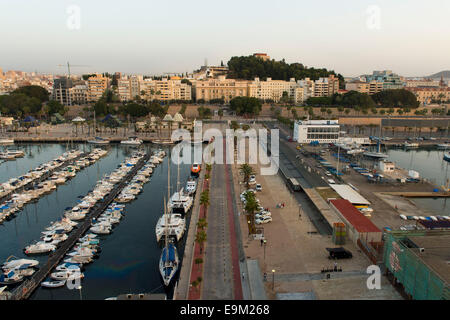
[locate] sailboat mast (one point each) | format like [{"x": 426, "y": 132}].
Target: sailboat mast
[{"x": 178, "y": 178}]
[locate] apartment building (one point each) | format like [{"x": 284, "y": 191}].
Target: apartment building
[
  {"x": 326, "y": 87},
  {"x": 2, "y": 76},
  {"x": 423, "y": 83},
  {"x": 79, "y": 94},
  {"x": 96, "y": 87},
  {"x": 274, "y": 90},
  {"x": 371, "y": 87},
  {"x": 165, "y": 89},
  {"x": 262, "y": 56},
  {"x": 390, "y": 80},
  {"x": 220, "y": 88}
]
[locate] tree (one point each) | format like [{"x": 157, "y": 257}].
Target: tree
[
  {"x": 204, "y": 199},
  {"x": 220, "y": 113},
  {"x": 202, "y": 224},
  {"x": 55, "y": 107},
  {"x": 246, "y": 170},
  {"x": 37, "y": 92},
  {"x": 251, "y": 206},
  {"x": 200, "y": 238},
  {"x": 396, "y": 98},
  {"x": 246, "y": 105}
]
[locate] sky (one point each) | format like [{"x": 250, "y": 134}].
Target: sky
[{"x": 352, "y": 37}]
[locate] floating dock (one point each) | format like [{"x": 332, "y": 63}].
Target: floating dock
[{"x": 28, "y": 286}]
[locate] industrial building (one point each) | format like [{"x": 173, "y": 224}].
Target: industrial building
[
  {"x": 358, "y": 226},
  {"x": 418, "y": 262}
]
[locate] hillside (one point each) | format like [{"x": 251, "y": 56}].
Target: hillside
[{"x": 445, "y": 74}]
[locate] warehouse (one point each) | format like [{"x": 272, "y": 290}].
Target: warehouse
[
  {"x": 347, "y": 193},
  {"x": 358, "y": 226},
  {"x": 418, "y": 262}
]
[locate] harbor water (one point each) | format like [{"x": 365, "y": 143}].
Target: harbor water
[{"x": 130, "y": 255}]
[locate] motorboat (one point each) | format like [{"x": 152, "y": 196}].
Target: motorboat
[
  {"x": 98, "y": 140},
  {"x": 17, "y": 263},
  {"x": 101, "y": 229},
  {"x": 175, "y": 224},
  {"x": 10, "y": 278},
  {"x": 53, "y": 284},
  {"x": 407, "y": 144},
  {"x": 191, "y": 186},
  {"x": 447, "y": 157},
  {"x": 69, "y": 267},
  {"x": 180, "y": 202},
  {"x": 443, "y": 146},
  {"x": 195, "y": 170},
  {"x": 66, "y": 275},
  {"x": 132, "y": 141},
  {"x": 40, "y": 247},
  {"x": 6, "y": 141}
]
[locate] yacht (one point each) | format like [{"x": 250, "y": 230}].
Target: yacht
[
  {"x": 443, "y": 146},
  {"x": 377, "y": 155},
  {"x": 447, "y": 157},
  {"x": 98, "y": 140},
  {"x": 175, "y": 223},
  {"x": 10, "y": 278},
  {"x": 180, "y": 202},
  {"x": 132, "y": 141},
  {"x": 191, "y": 186},
  {"x": 40, "y": 247},
  {"x": 6, "y": 141},
  {"x": 18, "y": 263},
  {"x": 53, "y": 284},
  {"x": 407, "y": 144}
]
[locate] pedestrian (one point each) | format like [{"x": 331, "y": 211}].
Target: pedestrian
[
  {"x": 243, "y": 276},
  {"x": 265, "y": 276},
  {"x": 262, "y": 241}
]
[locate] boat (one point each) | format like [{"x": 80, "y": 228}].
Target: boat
[
  {"x": 168, "y": 262},
  {"x": 443, "y": 146},
  {"x": 407, "y": 144},
  {"x": 53, "y": 284},
  {"x": 66, "y": 275},
  {"x": 355, "y": 151},
  {"x": 13, "y": 264},
  {"x": 40, "y": 247},
  {"x": 10, "y": 278},
  {"x": 180, "y": 202},
  {"x": 98, "y": 140},
  {"x": 175, "y": 223},
  {"x": 6, "y": 141},
  {"x": 378, "y": 154},
  {"x": 191, "y": 186},
  {"x": 447, "y": 157},
  {"x": 132, "y": 141},
  {"x": 195, "y": 169}
]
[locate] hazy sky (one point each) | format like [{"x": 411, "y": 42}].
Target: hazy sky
[{"x": 152, "y": 37}]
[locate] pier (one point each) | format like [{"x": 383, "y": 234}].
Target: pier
[
  {"x": 44, "y": 177},
  {"x": 407, "y": 194},
  {"x": 25, "y": 290}
]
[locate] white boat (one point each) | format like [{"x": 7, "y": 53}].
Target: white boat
[
  {"x": 101, "y": 229},
  {"x": 98, "y": 140},
  {"x": 66, "y": 275},
  {"x": 132, "y": 141},
  {"x": 53, "y": 284},
  {"x": 407, "y": 144},
  {"x": 443, "y": 146},
  {"x": 40, "y": 247},
  {"x": 10, "y": 278},
  {"x": 191, "y": 186},
  {"x": 180, "y": 202},
  {"x": 13, "y": 264},
  {"x": 6, "y": 141},
  {"x": 175, "y": 224}
]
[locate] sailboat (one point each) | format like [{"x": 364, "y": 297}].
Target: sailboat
[
  {"x": 168, "y": 262},
  {"x": 377, "y": 154},
  {"x": 180, "y": 202}
]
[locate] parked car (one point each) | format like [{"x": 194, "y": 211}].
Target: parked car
[
  {"x": 258, "y": 187},
  {"x": 252, "y": 180},
  {"x": 339, "y": 253},
  {"x": 263, "y": 220}
]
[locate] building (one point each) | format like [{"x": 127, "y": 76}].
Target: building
[
  {"x": 321, "y": 131},
  {"x": 165, "y": 90},
  {"x": 326, "y": 87},
  {"x": 79, "y": 94},
  {"x": 62, "y": 91},
  {"x": 358, "y": 226},
  {"x": 390, "y": 80},
  {"x": 2, "y": 76},
  {"x": 97, "y": 85},
  {"x": 123, "y": 89},
  {"x": 262, "y": 56},
  {"x": 274, "y": 90},
  {"x": 386, "y": 166},
  {"x": 428, "y": 95},
  {"x": 371, "y": 87},
  {"x": 347, "y": 193},
  {"x": 220, "y": 88},
  {"x": 423, "y": 83},
  {"x": 419, "y": 261}
]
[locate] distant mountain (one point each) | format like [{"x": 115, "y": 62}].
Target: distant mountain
[{"x": 445, "y": 74}]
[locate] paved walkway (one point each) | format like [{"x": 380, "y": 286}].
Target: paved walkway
[{"x": 218, "y": 274}]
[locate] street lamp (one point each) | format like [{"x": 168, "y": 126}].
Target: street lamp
[
  {"x": 273, "y": 279},
  {"x": 265, "y": 242}
]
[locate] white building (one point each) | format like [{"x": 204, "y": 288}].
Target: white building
[
  {"x": 323, "y": 131},
  {"x": 386, "y": 166}
]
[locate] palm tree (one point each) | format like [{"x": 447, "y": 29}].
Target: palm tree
[
  {"x": 204, "y": 199},
  {"x": 200, "y": 238},
  {"x": 202, "y": 224},
  {"x": 246, "y": 171},
  {"x": 251, "y": 207}
]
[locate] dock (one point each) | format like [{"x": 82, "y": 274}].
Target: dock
[
  {"x": 44, "y": 177},
  {"x": 407, "y": 194},
  {"x": 25, "y": 290}
]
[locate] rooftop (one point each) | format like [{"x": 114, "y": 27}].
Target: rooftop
[
  {"x": 354, "y": 217},
  {"x": 346, "y": 192}
]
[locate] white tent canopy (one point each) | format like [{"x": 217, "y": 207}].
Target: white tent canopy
[{"x": 78, "y": 119}]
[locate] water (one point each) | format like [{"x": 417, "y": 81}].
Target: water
[
  {"x": 130, "y": 255},
  {"x": 431, "y": 165}
]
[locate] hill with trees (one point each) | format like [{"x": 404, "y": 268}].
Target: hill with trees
[{"x": 249, "y": 67}]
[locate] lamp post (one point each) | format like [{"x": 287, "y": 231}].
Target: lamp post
[
  {"x": 273, "y": 279},
  {"x": 265, "y": 242}
]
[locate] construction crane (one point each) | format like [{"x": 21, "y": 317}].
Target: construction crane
[{"x": 73, "y": 66}]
